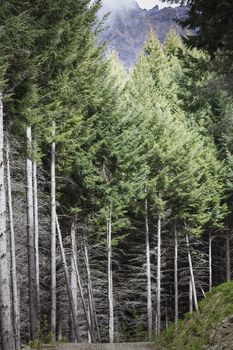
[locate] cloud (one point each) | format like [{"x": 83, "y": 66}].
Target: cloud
[
  {"x": 127, "y": 4},
  {"x": 148, "y": 4},
  {"x": 119, "y": 4}
]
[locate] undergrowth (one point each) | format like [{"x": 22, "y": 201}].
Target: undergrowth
[{"x": 193, "y": 332}]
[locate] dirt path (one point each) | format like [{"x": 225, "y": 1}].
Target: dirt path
[{"x": 119, "y": 346}]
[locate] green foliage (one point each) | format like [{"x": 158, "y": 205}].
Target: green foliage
[
  {"x": 43, "y": 336},
  {"x": 176, "y": 165},
  {"x": 213, "y": 20},
  {"x": 158, "y": 133},
  {"x": 194, "y": 331}
]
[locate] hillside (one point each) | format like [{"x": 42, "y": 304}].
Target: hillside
[
  {"x": 127, "y": 28},
  {"x": 211, "y": 329}
]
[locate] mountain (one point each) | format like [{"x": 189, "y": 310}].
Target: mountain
[{"x": 127, "y": 27}]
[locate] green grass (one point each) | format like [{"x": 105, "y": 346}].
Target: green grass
[{"x": 194, "y": 331}]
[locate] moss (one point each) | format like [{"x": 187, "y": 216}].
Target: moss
[{"x": 193, "y": 333}]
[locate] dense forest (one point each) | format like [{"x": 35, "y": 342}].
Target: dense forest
[{"x": 116, "y": 186}]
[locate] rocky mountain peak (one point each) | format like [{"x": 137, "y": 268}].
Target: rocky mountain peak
[{"x": 127, "y": 27}]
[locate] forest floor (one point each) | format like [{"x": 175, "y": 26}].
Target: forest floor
[
  {"x": 210, "y": 329},
  {"x": 118, "y": 346}
]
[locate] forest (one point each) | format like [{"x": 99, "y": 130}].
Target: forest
[{"x": 116, "y": 184}]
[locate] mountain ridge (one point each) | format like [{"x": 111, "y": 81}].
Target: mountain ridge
[{"x": 127, "y": 27}]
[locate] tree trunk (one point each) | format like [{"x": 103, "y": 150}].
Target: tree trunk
[
  {"x": 90, "y": 303},
  {"x": 89, "y": 321},
  {"x": 53, "y": 240},
  {"x": 202, "y": 290},
  {"x": 167, "y": 319},
  {"x": 92, "y": 310},
  {"x": 15, "y": 297},
  {"x": 148, "y": 273},
  {"x": 36, "y": 231},
  {"x": 159, "y": 276},
  {"x": 228, "y": 257},
  {"x": 73, "y": 279},
  {"x": 110, "y": 281},
  {"x": 210, "y": 263},
  {"x": 69, "y": 291},
  {"x": 176, "y": 279},
  {"x": 190, "y": 297},
  {"x": 192, "y": 274},
  {"x": 59, "y": 328},
  {"x": 31, "y": 242},
  {"x": 7, "y": 334},
  {"x": 86, "y": 311}
]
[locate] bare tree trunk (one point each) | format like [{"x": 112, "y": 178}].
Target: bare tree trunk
[
  {"x": 59, "y": 328},
  {"x": 89, "y": 321},
  {"x": 15, "y": 297},
  {"x": 31, "y": 242},
  {"x": 110, "y": 281},
  {"x": 73, "y": 279},
  {"x": 190, "y": 296},
  {"x": 176, "y": 279},
  {"x": 202, "y": 290},
  {"x": 92, "y": 310},
  {"x": 53, "y": 240},
  {"x": 148, "y": 273},
  {"x": 228, "y": 257},
  {"x": 159, "y": 276},
  {"x": 86, "y": 311},
  {"x": 7, "y": 333},
  {"x": 167, "y": 320},
  {"x": 69, "y": 291},
  {"x": 36, "y": 231},
  {"x": 210, "y": 263},
  {"x": 90, "y": 303},
  {"x": 192, "y": 274}
]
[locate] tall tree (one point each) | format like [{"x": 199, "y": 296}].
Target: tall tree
[
  {"x": 53, "y": 238},
  {"x": 33, "y": 306},
  {"x": 15, "y": 296},
  {"x": 7, "y": 330}
]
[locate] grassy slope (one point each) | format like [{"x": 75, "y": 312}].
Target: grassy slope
[{"x": 194, "y": 331}]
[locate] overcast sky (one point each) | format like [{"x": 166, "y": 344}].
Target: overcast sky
[
  {"x": 145, "y": 4},
  {"x": 148, "y": 4}
]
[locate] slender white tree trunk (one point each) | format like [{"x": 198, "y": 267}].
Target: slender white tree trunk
[
  {"x": 202, "y": 290},
  {"x": 190, "y": 296},
  {"x": 59, "y": 328},
  {"x": 228, "y": 257},
  {"x": 210, "y": 263},
  {"x": 90, "y": 301},
  {"x": 92, "y": 309},
  {"x": 167, "y": 319},
  {"x": 36, "y": 231},
  {"x": 176, "y": 279},
  {"x": 86, "y": 311},
  {"x": 110, "y": 280},
  {"x": 15, "y": 297},
  {"x": 53, "y": 240},
  {"x": 148, "y": 273},
  {"x": 73, "y": 278},
  {"x": 69, "y": 291},
  {"x": 89, "y": 321},
  {"x": 159, "y": 276},
  {"x": 7, "y": 333},
  {"x": 31, "y": 241},
  {"x": 192, "y": 274}
]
